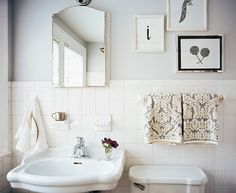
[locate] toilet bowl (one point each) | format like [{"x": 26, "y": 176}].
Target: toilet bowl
[{"x": 167, "y": 179}]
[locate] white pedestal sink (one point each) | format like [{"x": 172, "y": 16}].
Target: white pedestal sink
[{"x": 54, "y": 171}]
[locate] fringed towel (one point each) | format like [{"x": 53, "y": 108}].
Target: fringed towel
[
  {"x": 162, "y": 118},
  {"x": 201, "y": 118},
  {"x": 31, "y": 137}
]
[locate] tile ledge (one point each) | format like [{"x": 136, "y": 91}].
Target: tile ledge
[{"x": 4, "y": 153}]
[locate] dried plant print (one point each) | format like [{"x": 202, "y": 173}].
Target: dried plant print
[{"x": 205, "y": 52}]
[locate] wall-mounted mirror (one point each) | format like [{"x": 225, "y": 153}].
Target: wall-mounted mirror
[{"x": 80, "y": 47}]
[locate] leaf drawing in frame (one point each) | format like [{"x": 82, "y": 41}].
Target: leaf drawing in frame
[{"x": 184, "y": 9}]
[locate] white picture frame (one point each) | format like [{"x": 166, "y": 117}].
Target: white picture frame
[
  {"x": 200, "y": 53},
  {"x": 186, "y": 15},
  {"x": 149, "y": 33}
]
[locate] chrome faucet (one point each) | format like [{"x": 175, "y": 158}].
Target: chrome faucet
[{"x": 79, "y": 148}]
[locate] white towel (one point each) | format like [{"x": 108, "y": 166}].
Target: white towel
[
  {"x": 31, "y": 133},
  {"x": 201, "y": 118},
  {"x": 162, "y": 118}
]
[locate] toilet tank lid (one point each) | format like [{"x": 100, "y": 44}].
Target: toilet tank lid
[{"x": 167, "y": 175}]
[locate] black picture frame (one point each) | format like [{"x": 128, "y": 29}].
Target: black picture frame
[{"x": 190, "y": 66}]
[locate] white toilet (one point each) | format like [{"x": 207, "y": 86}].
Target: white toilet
[{"x": 167, "y": 179}]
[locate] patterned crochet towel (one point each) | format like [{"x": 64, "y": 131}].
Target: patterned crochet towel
[
  {"x": 162, "y": 118},
  {"x": 201, "y": 118}
]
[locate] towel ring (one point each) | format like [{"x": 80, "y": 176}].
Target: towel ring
[{"x": 37, "y": 136}]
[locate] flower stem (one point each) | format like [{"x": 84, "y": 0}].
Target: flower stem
[{"x": 200, "y": 61}]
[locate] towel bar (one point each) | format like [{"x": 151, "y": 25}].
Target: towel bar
[{"x": 221, "y": 98}]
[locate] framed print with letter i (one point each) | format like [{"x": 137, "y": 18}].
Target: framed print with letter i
[{"x": 149, "y": 33}]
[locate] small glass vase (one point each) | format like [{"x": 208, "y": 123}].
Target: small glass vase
[{"x": 108, "y": 153}]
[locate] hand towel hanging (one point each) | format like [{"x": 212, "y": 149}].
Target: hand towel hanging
[
  {"x": 163, "y": 118},
  {"x": 201, "y": 118},
  {"x": 31, "y": 137}
]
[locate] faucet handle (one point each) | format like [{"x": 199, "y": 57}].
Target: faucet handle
[{"x": 80, "y": 140}]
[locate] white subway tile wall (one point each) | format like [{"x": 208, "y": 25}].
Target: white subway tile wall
[
  {"x": 5, "y": 166},
  {"x": 120, "y": 100},
  {"x": 6, "y": 157}
]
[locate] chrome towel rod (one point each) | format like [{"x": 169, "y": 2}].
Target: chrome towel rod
[{"x": 221, "y": 98}]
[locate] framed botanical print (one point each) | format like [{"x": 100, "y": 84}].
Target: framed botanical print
[
  {"x": 149, "y": 33},
  {"x": 200, "y": 53},
  {"x": 186, "y": 15}
]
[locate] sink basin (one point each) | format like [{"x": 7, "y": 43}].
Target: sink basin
[
  {"x": 54, "y": 171},
  {"x": 56, "y": 167}
]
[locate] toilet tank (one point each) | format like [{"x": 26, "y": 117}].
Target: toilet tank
[{"x": 167, "y": 179}]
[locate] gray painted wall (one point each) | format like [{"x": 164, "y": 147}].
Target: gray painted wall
[
  {"x": 4, "y": 62},
  {"x": 32, "y": 39}
]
